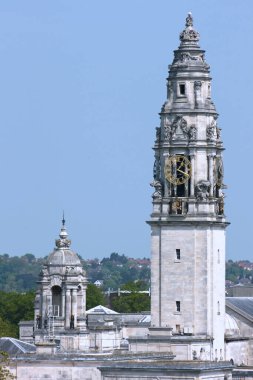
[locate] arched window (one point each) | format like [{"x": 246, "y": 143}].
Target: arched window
[{"x": 57, "y": 300}]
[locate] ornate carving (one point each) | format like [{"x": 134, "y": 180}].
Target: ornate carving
[
  {"x": 177, "y": 206},
  {"x": 56, "y": 281},
  {"x": 62, "y": 243},
  {"x": 184, "y": 59},
  {"x": 202, "y": 189},
  {"x": 179, "y": 128},
  {"x": 192, "y": 132},
  {"x": 189, "y": 34},
  {"x": 158, "y": 189},
  {"x": 157, "y": 169},
  {"x": 167, "y": 131},
  {"x": 158, "y": 135},
  {"x": 44, "y": 271},
  {"x": 211, "y": 130}
]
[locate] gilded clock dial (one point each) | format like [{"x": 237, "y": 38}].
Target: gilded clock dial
[{"x": 177, "y": 169}]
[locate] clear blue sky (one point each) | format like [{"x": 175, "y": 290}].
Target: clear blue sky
[{"x": 81, "y": 85}]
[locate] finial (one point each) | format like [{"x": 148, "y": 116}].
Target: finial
[
  {"x": 189, "y": 35},
  {"x": 189, "y": 20},
  {"x": 63, "y": 242}
]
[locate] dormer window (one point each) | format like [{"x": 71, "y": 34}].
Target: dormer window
[{"x": 182, "y": 89}]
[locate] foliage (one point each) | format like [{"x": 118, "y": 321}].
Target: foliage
[
  {"x": 5, "y": 374},
  {"x": 15, "y": 307},
  {"x": 19, "y": 273},
  {"x": 94, "y": 296},
  {"x": 134, "y": 301},
  {"x": 7, "y": 329},
  {"x": 238, "y": 271},
  {"x": 117, "y": 270}
]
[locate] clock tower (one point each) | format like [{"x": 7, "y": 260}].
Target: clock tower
[{"x": 188, "y": 222}]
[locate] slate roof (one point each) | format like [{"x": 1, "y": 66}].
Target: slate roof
[
  {"x": 241, "y": 305},
  {"x": 14, "y": 346}
]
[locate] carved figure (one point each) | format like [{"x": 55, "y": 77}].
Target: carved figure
[
  {"x": 167, "y": 131},
  {"x": 192, "y": 132},
  {"x": 44, "y": 271},
  {"x": 202, "y": 189},
  {"x": 210, "y": 132},
  {"x": 197, "y": 92},
  {"x": 158, "y": 189}
]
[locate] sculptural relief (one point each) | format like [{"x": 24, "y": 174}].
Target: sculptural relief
[
  {"x": 202, "y": 189},
  {"x": 158, "y": 189},
  {"x": 179, "y": 128},
  {"x": 192, "y": 132},
  {"x": 167, "y": 131}
]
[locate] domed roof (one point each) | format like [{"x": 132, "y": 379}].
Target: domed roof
[
  {"x": 63, "y": 257},
  {"x": 62, "y": 254},
  {"x": 231, "y": 326}
]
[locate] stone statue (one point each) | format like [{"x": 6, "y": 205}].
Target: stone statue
[
  {"x": 192, "y": 132},
  {"x": 167, "y": 131},
  {"x": 197, "y": 92},
  {"x": 210, "y": 132},
  {"x": 202, "y": 189},
  {"x": 158, "y": 189}
]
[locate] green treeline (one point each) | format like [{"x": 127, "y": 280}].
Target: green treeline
[{"x": 18, "y": 277}]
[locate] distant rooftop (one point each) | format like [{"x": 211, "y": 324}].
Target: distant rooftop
[{"x": 14, "y": 346}]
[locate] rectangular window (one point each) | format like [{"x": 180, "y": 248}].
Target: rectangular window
[
  {"x": 178, "y": 255},
  {"x": 182, "y": 89},
  {"x": 178, "y": 306},
  {"x": 178, "y": 329}
]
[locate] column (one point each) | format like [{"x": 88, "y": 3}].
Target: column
[
  {"x": 192, "y": 174},
  {"x": 210, "y": 174},
  {"x": 44, "y": 302},
  {"x": 63, "y": 303},
  {"x": 67, "y": 308},
  {"x": 74, "y": 305}
]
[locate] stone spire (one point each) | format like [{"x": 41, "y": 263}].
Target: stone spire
[{"x": 63, "y": 242}]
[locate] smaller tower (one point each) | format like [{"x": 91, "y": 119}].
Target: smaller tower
[{"x": 60, "y": 303}]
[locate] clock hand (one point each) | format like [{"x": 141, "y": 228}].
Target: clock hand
[{"x": 183, "y": 172}]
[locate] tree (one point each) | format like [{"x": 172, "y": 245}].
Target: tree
[
  {"x": 7, "y": 329},
  {"x": 15, "y": 307},
  {"x": 133, "y": 302},
  {"x": 94, "y": 296},
  {"x": 5, "y": 373}
]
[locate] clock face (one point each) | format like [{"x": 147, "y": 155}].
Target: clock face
[{"x": 177, "y": 169}]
